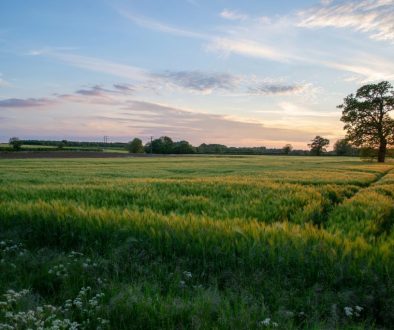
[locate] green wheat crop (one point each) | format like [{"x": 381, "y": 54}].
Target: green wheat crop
[{"x": 244, "y": 242}]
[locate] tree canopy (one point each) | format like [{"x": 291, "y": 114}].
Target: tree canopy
[
  {"x": 287, "y": 149},
  {"x": 366, "y": 117},
  {"x": 343, "y": 148},
  {"x": 16, "y": 143},
  {"x": 318, "y": 145},
  {"x": 135, "y": 146}
]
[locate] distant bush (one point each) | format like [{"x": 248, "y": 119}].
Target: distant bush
[{"x": 16, "y": 143}]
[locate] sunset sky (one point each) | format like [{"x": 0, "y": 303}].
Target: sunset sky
[{"x": 240, "y": 73}]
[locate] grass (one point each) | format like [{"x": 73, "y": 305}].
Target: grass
[{"x": 197, "y": 243}]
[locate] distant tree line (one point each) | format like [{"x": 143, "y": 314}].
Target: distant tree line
[
  {"x": 66, "y": 143},
  {"x": 165, "y": 145}
]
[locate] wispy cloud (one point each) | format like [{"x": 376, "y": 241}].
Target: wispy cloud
[
  {"x": 203, "y": 82},
  {"x": 201, "y": 127},
  {"x": 124, "y": 88},
  {"x": 93, "y": 91},
  {"x": 250, "y": 48},
  {"x": 144, "y": 119},
  {"x": 375, "y": 17},
  {"x": 184, "y": 80},
  {"x": 94, "y": 64},
  {"x": 155, "y": 25},
  {"x": 94, "y": 95},
  {"x": 233, "y": 15},
  {"x": 278, "y": 89},
  {"x": 97, "y": 90},
  {"x": 280, "y": 39},
  {"x": 25, "y": 103},
  {"x": 364, "y": 68}
]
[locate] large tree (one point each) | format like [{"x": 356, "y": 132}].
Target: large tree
[
  {"x": 366, "y": 117},
  {"x": 318, "y": 145}
]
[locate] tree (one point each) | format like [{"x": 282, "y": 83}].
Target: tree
[
  {"x": 62, "y": 144},
  {"x": 318, "y": 145},
  {"x": 343, "y": 148},
  {"x": 212, "y": 149},
  {"x": 163, "y": 145},
  {"x": 366, "y": 117},
  {"x": 16, "y": 143},
  {"x": 135, "y": 146},
  {"x": 183, "y": 147},
  {"x": 287, "y": 149}
]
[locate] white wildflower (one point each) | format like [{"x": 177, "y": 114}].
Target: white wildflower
[
  {"x": 187, "y": 274},
  {"x": 348, "y": 311}
]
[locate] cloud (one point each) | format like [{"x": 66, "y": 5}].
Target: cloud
[
  {"x": 233, "y": 15},
  {"x": 278, "y": 89},
  {"x": 156, "y": 119},
  {"x": 190, "y": 80},
  {"x": 194, "y": 81},
  {"x": 374, "y": 17},
  {"x": 155, "y": 25},
  {"x": 278, "y": 39},
  {"x": 25, "y": 103},
  {"x": 124, "y": 88},
  {"x": 99, "y": 91},
  {"x": 365, "y": 68},
  {"x": 200, "y": 81},
  {"x": 281, "y": 41},
  {"x": 94, "y": 64},
  {"x": 93, "y": 91},
  {"x": 250, "y": 48},
  {"x": 99, "y": 95}
]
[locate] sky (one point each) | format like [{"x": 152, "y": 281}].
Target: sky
[{"x": 240, "y": 73}]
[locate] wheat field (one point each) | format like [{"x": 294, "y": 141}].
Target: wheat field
[{"x": 242, "y": 242}]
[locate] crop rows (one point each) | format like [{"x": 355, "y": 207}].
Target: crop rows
[{"x": 201, "y": 242}]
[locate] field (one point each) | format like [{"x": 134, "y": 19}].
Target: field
[
  {"x": 196, "y": 243},
  {"x": 46, "y": 148}
]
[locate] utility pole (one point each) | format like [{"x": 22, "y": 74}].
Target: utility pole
[
  {"x": 151, "y": 145},
  {"x": 106, "y": 139}
]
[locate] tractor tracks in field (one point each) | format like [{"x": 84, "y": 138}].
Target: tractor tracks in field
[{"x": 329, "y": 209}]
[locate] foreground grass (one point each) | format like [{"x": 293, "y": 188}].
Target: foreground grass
[{"x": 197, "y": 243}]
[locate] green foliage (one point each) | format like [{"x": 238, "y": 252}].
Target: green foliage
[
  {"x": 366, "y": 117},
  {"x": 368, "y": 154},
  {"x": 198, "y": 243},
  {"x": 135, "y": 146},
  {"x": 287, "y": 149},
  {"x": 183, "y": 147},
  {"x": 318, "y": 145},
  {"x": 16, "y": 143},
  {"x": 343, "y": 148}
]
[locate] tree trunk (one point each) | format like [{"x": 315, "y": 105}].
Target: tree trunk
[{"x": 382, "y": 151}]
